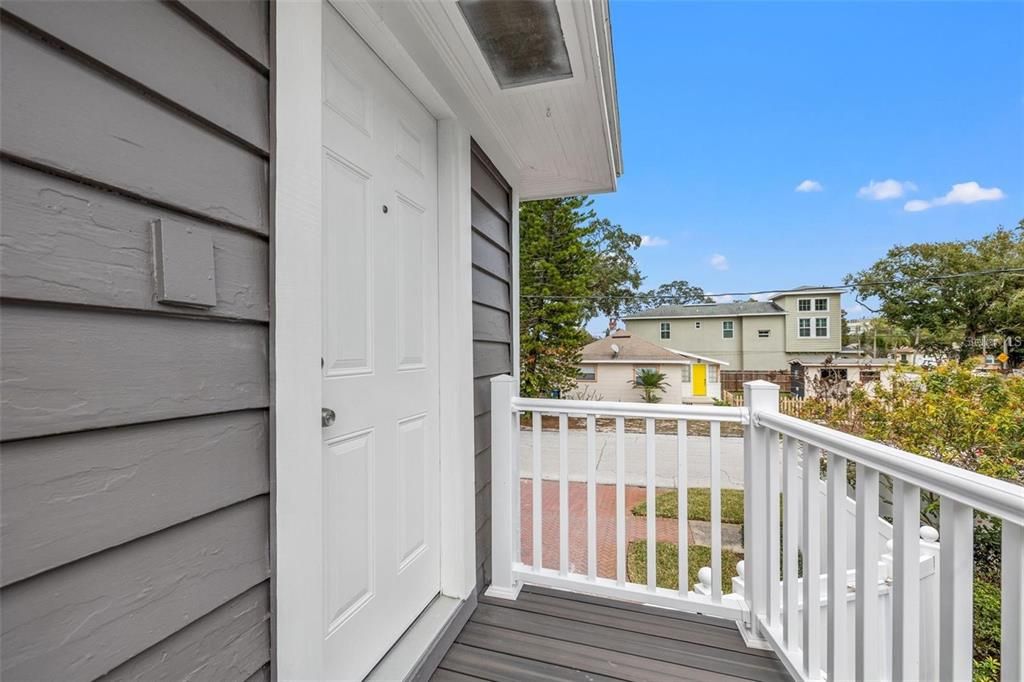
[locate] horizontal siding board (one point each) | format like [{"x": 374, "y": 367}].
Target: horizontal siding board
[
  {"x": 481, "y": 395},
  {"x": 490, "y": 290},
  {"x": 491, "y": 325},
  {"x": 159, "y": 48},
  {"x": 230, "y": 643},
  {"x": 489, "y": 189},
  {"x": 490, "y": 358},
  {"x": 490, "y": 224},
  {"x": 261, "y": 675},
  {"x": 243, "y": 22},
  {"x": 66, "y": 242},
  {"x": 482, "y": 468},
  {"x": 84, "y": 619},
  {"x": 482, "y": 432},
  {"x": 85, "y": 124},
  {"x": 65, "y": 497},
  {"x": 483, "y": 505},
  {"x": 69, "y": 370},
  {"x": 489, "y": 257}
]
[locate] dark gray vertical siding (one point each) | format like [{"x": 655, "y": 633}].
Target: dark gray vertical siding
[
  {"x": 134, "y": 470},
  {"x": 492, "y": 329}
]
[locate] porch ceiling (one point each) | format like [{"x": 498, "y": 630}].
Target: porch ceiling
[{"x": 551, "y": 139}]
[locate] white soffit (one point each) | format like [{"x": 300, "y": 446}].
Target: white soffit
[{"x": 561, "y": 137}]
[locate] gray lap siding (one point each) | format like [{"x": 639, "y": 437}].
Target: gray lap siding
[
  {"x": 492, "y": 329},
  {"x": 135, "y": 465}
]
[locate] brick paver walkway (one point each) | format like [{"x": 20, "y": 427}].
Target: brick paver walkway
[{"x": 636, "y": 526}]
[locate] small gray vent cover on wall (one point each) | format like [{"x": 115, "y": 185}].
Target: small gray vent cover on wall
[{"x": 521, "y": 40}]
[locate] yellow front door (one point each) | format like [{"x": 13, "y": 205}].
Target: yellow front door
[{"x": 700, "y": 380}]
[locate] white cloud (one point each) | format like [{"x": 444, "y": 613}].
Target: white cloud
[
  {"x": 763, "y": 297},
  {"x": 650, "y": 240},
  {"x": 719, "y": 262},
  {"x": 961, "y": 193},
  {"x": 724, "y": 298},
  {"x": 885, "y": 189},
  {"x": 809, "y": 186}
]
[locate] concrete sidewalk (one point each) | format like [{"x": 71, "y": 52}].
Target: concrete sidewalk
[{"x": 698, "y": 458}]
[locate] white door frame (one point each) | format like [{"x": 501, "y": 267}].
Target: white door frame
[{"x": 295, "y": 262}]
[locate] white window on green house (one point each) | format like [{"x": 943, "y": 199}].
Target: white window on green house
[
  {"x": 684, "y": 374},
  {"x": 804, "y": 326},
  {"x": 588, "y": 373},
  {"x": 764, "y": 333},
  {"x": 727, "y": 328},
  {"x": 821, "y": 304},
  {"x": 821, "y": 326},
  {"x": 666, "y": 330},
  {"x": 637, "y": 371},
  {"x": 803, "y": 305},
  {"x": 712, "y": 374}
]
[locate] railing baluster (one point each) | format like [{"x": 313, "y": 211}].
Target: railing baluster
[
  {"x": 1012, "y": 653},
  {"x": 620, "y": 501},
  {"x": 563, "y": 494},
  {"x": 867, "y": 621},
  {"x": 836, "y": 568},
  {"x": 538, "y": 500},
  {"x": 906, "y": 588},
  {"x": 651, "y": 516},
  {"x": 591, "y": 499},
  {"x": 771, "y": 454},
  {"x": 812, "y": 572},
  {"x": 956, "y": 587},
  {"x": 790, "y": 541},
  {"x": 716, "y": 511},
  {"x": 682, "y": 506}
]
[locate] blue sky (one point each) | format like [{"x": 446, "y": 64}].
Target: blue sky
[{"x": 727, "y": 107}]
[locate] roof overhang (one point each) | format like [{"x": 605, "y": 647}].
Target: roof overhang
[
  {"x": 807, "y": 292},
  {"x": 702, "y": 358},
  {"x": 634, "y": 361},
  {"x": 549, "y": 139},
  {"x": 698, "y": 317}
]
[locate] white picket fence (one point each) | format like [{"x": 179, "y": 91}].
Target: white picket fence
[{"x": 910, "y": 619}]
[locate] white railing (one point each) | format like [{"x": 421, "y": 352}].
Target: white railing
[
  {"x": 873, "y": 644},
  {"x": 802, "y": 557},
  {"x": 509, "y": 572}
]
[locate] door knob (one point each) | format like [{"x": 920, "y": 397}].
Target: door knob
[{"x": 327, "y": 417}]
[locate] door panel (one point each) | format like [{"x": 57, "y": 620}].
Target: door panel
[
  {"x": 700, "y": 380},
  {"x": 380, "y": 365}
]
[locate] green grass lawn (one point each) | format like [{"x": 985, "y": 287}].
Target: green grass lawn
[
  {"x": 667, "y": 566},
  {"x": 698, "y": 501}
]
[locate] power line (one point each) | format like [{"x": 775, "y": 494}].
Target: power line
[{"x": 665, "y": 298}]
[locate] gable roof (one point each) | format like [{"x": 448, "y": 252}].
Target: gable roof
[
  {"x": 631, "y": 349},
  {"x": 736, "y": 309},
  {"x": 807, "y": 289}
]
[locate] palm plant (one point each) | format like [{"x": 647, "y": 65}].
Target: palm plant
[{"x": 650, "y": 382}]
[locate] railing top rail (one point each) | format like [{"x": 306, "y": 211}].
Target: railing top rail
[
  {"x": 992, "y": 496},
  {"x": 633, "y": 410}
]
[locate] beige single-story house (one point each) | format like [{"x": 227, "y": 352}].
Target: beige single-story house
[{"x": 609, "y": 366}]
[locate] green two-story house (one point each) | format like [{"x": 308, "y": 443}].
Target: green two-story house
[{"x": 749, "y": 335}]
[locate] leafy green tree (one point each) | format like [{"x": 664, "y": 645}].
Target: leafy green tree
[
  {"x": 946, "y": 312},
  {"x": 650, "y": 383},
  {"x": 678, "y": 292},
  {"x": 573, "y": 266}
]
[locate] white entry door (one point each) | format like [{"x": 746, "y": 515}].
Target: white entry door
[{"x": 381, "y": 511}]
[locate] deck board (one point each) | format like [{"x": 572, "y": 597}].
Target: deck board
[{"x": 552, "y": 635}]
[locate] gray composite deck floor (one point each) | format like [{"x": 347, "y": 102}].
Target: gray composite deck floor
[{"x": 554, "y": 635}]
